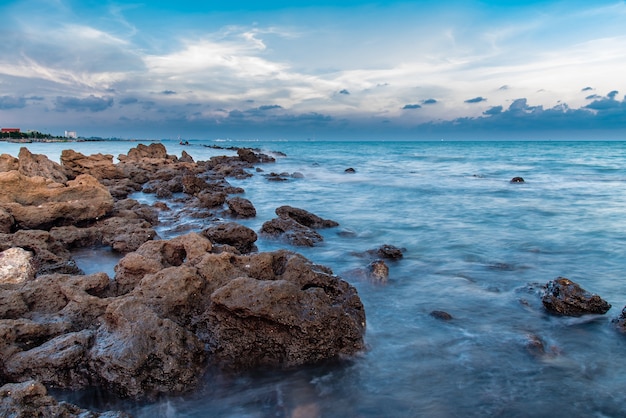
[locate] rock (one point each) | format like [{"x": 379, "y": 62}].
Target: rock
[
  {"x": 304, "y": 217},
  {"x": 6, "y": 221},
  {"x": 442, "y": 315},
  {"x": 378, "y": 271},
  {"x": 286, "y": 319},
  {"x": 16, "y": 266},
  {"x": 350, "y": 170},
  {"x": 155, "y": 150},
  {"x": 30, "y": 399},
  {"x": 291, "y": 231},
  {"x": 247, "y": 155},
  {"x": 185, "y": 158},
  {"x": 386, "y": 251},
  {"x": 620, "y": 321},
  {"x": 125, "y": 235},
  {"x": 517, "y": 180},
  {"x": 210, "y": 199},
  {"x": 8, "y": 163},
  {"x": 32, "y": 165},
  {"x": 193, "y": 185},
  {"x": 241, "y": 208},
  {"x": 147, "y": 357},
  {"x": 36, "y": 203},
  {"x": 564, "y": 297},
  {"x": 233, "y": 234},
  {"x": 98, "y": 165}
]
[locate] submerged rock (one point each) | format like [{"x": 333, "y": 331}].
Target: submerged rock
[
  {"x": 564, "y": 297},
  {"x": 304, "y": 217}
]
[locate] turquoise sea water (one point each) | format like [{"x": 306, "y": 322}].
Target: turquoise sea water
[{"x": 477, "y": 247}]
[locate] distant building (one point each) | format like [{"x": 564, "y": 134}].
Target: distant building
[
  {"x": 70, "y": 134},
  {"x": 10, "y": 130}
]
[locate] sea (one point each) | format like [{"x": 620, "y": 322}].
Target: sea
[{"x": 475, "y": 246}]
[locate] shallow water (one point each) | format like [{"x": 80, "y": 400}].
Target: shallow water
[{"x": 476, "y": 246}]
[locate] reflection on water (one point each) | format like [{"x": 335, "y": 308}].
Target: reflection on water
[{"x": 96, "y": 259}]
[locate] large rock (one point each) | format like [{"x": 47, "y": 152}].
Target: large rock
[
  {"x": 98, "y": 165},
  {"x": 620, "y": 321},
  {"x": 37, "y": 203},
  {"x": 8, "y": 163},
  {"x": 240, "y": 207},
  {"x": 304, "y": 217},
  {"x": 30, "y": 399},
  {"x": 291, "y": 231},
  {"x": 33, "y": 165},
  {"x": 16, "y": 266},
  {"x": 564, "y": 297},
  {"x": 233, "y": 234},
  {"x": 6, "y": 221}
]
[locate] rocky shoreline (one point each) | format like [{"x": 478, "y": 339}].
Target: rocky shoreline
[{"x": 174, "y": 308}]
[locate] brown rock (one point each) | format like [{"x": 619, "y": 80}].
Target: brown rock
[
  {"x": 6, "y": 221},
  {"x": 291, "y": 231},
  {"x": 32, "y": 165},
  {"x": 8, "y": 163},
  {"x": 304, "y": 217},
  {"x": 98, "y": 165},
  {"x": 241, "y": 208},
  {"x": 378, "y": 271},
  {"x": 16, "y": 266},
  {"x": 37, "y": 203},
  {"x": 233, "y": 234},
  {"x": 564, "y": 297}
]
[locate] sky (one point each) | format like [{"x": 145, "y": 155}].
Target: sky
[{"x": 383, "y": 70}]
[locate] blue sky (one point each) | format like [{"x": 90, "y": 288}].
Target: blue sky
[{"x": 311, "y": 69}]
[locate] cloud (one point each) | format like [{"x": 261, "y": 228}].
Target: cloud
[
  {"x": 593, "y": 96},
  {"x": 91, "y": 104},
  {"x": 269, "y": 107},
  {"x": 476, "y": 100},
  {"x": 168, "y": 92},
  {"x": 128, "y": 101},
  {"x": 412, "y": 106},
  {"x": 429, "y": 101},
  {"x": 494, "y": 110},
  {"x": 10, "y": 102},
  {"x": 587, "y": 89},
  {"x": 612, "y": 94},
  {"x": 344, "y": 91},
  {"x": 503, "y": 88}
]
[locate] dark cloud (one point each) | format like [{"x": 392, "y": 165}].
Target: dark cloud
[
  {"x": 344, "y": 91},
  {"x": 10, "y": 102},
  {"x": 429, "y": 101},
  {"x": 587, "y": 89},
  {"x": 494, "y": 110},
  {"x": 129, "y": 101},
  {"x": 168, "y": 92},
  {"x": 412, "y": 106},
  {"x": 476, "y": 100},
  {"x": 593, "y": 96},
  {"x": 603, "y": 104},
  {"x": 505, "y": 87},
  {"x": 612, "y": 94},
  {"x": 269, "y": 107},
  {"x": 91, "y": 104}
]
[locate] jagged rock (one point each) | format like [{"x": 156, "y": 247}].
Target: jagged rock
[
  {"x": 6, "y": 221},
  {"x": 620, "y": 321},
  {"x": 210, "y": 199},
  {"x": 238, "y": 236},
  {"x": 443, "y": 315},
  {"x": 16, "y": 266},
  {"x": 185, "y": 158},
  {"x": 30, "y": 399},
  {"x": 193, "y": 185},
  {"x": 98, "y": 165},
  {"x": 147, "y": 357},
  {"x": 304, "y": 217},
  {"x": 37, "y": 203},
  {"x": 564, "y": 297},
  {"x": 378, "y": 271},
  {"x": 155, "y": 150},
  {"x": 8, "y": 163},
  {"x": 32, "y": 165},
  {"x": 241, "y": 208},
  {"x": 125, "y": 235},
  {"x": 385, "y": 251},
  {"x": 291, "y": 231},
  {"x": 349, "y": 170}
]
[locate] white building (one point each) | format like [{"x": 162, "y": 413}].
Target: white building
[{"x": 70, "y": 134}]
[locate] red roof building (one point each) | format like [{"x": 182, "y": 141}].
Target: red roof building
[{"x": 9, "y": 130}]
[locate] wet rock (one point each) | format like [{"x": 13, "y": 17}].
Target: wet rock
[
  {"x": 350, "y": 170},
  {"x": 620, "y": 321},
  {"x": 6, "y": 221},
  {"x": 30, "y": 399},
  {"x": 564, "y": 297},
  {"x": 241, "y": 208},
  {"x": 36, "y": 203},
  {"x": 210, "y": 199},
  {"x": 32, "y": 165},
  {"x": 147, "y": 357},
  {"x": 98, "y": 165},
  {"x": 517, "y": 180},
  {"x": 16, "y": 266},
  {"x": 284, "y": 321},
  {"x": 185, "y": 157},
  {"x": 193, "y": 185},
  {"x": 291, "y": 231},
  {"x": 442, "y": 315},
  {"x": 247, "y": 155},
  {"x": 535, "y": 346},
  {"x": 378, "y": 271},
  {"x": 304, "y": 217},
  {"x": 385, "y": 251},
  {"x": 236, "y": 235}
]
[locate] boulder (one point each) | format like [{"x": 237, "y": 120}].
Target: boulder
[
  {"x": 38, "y": 165},
  {"x": 16, "y": 266},
  {"x": 185, "y": 158},
  {"x": 37, "y": 203},
  {"x": 291, "y": 231},
  {"x": 241, "y": 208},
  {"x": 564, "y": 297},
  {"x": 238, "y": 236},
  {"x": 98, "y": 165},
  {"x": 442, "y": 315},
  {"x": 517, "y": 180},
  {"x": 378, "y": 271},
  {"x": 304, "y": 217},
  {"x": 6, "y": 221},
  {"x": 8, "y": 163},
  {"x": 31, "y": 399},
  {"x": 193, "y": 185},
  {"x": 211, "y": 199},
  {"x": 620, "y": 321},
  {"x": 153, "y": 151}
]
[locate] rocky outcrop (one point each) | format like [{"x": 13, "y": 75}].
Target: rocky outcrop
[
  {"x": 30, "y": 399},
  {"x": 304, "y": 217},
  {"x": 16, "y": 266},
  {"x": 98, "y": 165},
  {"x": 241, "y": 208},
  {"x": 564, "y": 297},
  {"x": 8, "y": 163},
  {"x": 38, "y": 165},
  {"x": 37, "y": 203},
  {"x": 620, "y": 321},
  {"x": 7, "y": 221},
  {"x": 232, "y": 234},
  {"x": 296, "y": 226}
]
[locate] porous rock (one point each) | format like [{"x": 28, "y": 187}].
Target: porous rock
[
  {"x": 240, "y": 207},
  {"x": 304, "y": 217},
  {"x": 98, "y": 165},
  {"x": 564, "y": 297},
  {"x": 16, "y": 266},
  {"x": 231, "y": 233},
  {"x": 33, "y": 165},
  {"x": 291, "y": 231}
]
